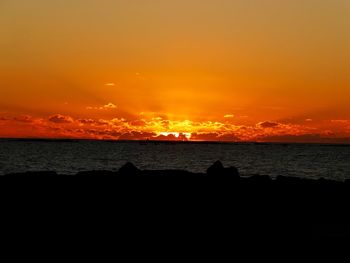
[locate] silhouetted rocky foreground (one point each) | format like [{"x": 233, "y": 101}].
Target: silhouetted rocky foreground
[
  {"x": 217, "y": 174},
  {"x": 216, "y": 171},
  {"x": 256, "y": 206}
]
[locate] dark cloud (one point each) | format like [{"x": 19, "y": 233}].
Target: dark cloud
[
  {"x": 137, "y": 136},
  {"x": 24, "y": 118},
  {"x": 101, "y": 133},
  {"x": 87, "y": 121},
  {"x": 4, "y": 118},
  {"x": 228, "y": 137},
  {"x": 55, "y": 129},
  {"x": 113, "y": 134},
  {"x": 92, "y": 122},
  {"x": 165, "y": 124},
  {"x": 139, "y": 123},
  {"x": 204, "y": 136},
  {"x": 58, "y": 118},
  {"x": 182, "y": 137},
  {"x": 106, "y": 133},
  {"x": 268, "y": 124}
]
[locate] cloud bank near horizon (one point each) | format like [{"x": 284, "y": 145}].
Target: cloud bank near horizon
[{"x": 161, "y": 128}]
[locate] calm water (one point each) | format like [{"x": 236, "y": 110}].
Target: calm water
[{"x": 312, "y": 161}]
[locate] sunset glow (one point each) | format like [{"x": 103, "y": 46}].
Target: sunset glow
[{"x": 198, "y": 70}]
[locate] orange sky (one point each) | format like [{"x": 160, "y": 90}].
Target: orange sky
[{"x": 256, "y": 70}]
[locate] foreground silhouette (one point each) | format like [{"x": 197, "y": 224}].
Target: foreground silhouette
[
  {"x": 216, "y": 171},
  {"x": 219, "y": 200}
]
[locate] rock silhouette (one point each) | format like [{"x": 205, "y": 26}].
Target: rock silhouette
[
  {"x": 129, "y": 169},
  {"x": 95, "y": 173},
  {"x": 218, "y": 169},
  {"x": 35, "y": 174},
  {"x": 260, "y": 205}
]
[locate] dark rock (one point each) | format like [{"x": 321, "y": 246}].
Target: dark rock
[
  {"x": 129, "y": 169},
  {"x": 288, "y": 180},
  {"x": 96, "y": 173},
  {"x": 34, "y": 174},
  {"x": 260, "y": 179},
  {"x": 217, "y": 169},
  {"x": 232, "y": 171},
  {"x": 168, "y": 173}
]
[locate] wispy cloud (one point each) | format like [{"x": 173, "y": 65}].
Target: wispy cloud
[
  {"x": 268, "y": 124},
  {"x": 58, "y": 118},
  {"x": 110, "y": 84},
  {"x": 24, "y": 118},
  {"x": 341, "y": 121},
  {"x": 108, "y": 106}
]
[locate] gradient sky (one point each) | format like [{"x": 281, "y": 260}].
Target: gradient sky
[{"x": 266, "y": 70}]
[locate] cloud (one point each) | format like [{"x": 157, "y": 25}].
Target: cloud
[
  {"x": 228, "y": 137},
  {"x": 111, "y": 84},
  {"x": 137, "y": 136},
  {"x": 268, "y": 124},
  {"x": 140, "y": 123},
  {"x": 204, "y": 136},
  {"x": 58, "y": 118},
  {"x": 87, "y": 121},
  {"x": 98, "y": 133},
  {"x": 24, "y": 118},
  {"x": 171, "y": 137},
  {"x": 341, "y": 121},
  {"x": 93, "y": 122},
  {"x": 229, "y": 116},
  {"x": 154, "y": 127},
  {"x": 4, "y": 118},
  {"x": 109, "y": 106}
]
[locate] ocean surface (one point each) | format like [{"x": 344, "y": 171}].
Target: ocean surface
[{"x": 70, "y": 157}]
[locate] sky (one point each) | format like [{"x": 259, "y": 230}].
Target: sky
[{"x": 218, "y": 70}]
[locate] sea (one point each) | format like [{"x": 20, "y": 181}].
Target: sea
[{"x": 273, "y": 159}]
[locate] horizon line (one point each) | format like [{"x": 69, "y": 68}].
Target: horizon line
[{"x": 167, "y": 141}]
